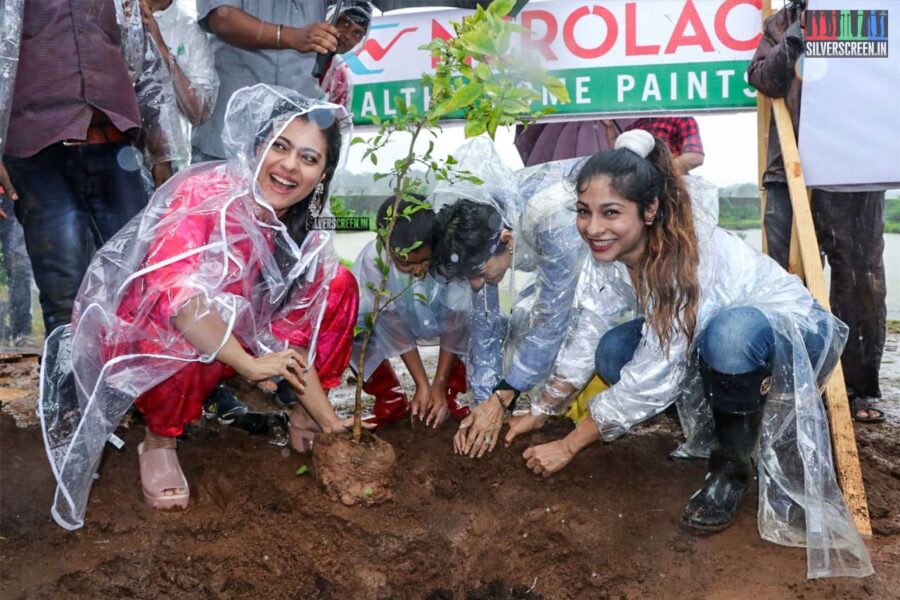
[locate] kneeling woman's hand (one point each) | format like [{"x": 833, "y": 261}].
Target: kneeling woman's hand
[
  {"x": 547, "y": 459},
  {"x": 523, "y": 424},
  {"x": 286, "y": 363}
]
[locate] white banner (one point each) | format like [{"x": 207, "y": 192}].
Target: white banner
[{"x": 615, "y": 56}]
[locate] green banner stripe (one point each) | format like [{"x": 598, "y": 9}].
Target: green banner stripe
[{"x": 640, "y": 88}]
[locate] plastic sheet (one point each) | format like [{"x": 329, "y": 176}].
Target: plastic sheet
[
  {"x": 10, "y": 38},
  {"x": 195, "y": 93},
  {"x": 799, "y": 500},
  {"x": 537, "y": 205},
  {"x": 208, "y": 239},
  {"x": 423, "y": 312},
  {"x": 152, "y": 86}
]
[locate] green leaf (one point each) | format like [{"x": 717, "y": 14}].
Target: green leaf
[
  {"x": 357, "y": 330},
  {"x": 474, "y": 127},
  {"x": 478, "y": 42},
  {"x": 357, "y": 140},
  {"x": 484, "y": 72},
  {"x": 368, "y": 492},
  {"x": 302, "y": 470},
  {"x": 380, "y": 176},
  {"x": 370, "y": 285},
  {"x": 383, "y": 267},
  {"x": 501, "y": 8},
  {"x": 420, "y": 297},
  {"x": 373, "y": 158},
  {"x": 369, "y": 320},
  {"x": 400, "y": 104},
  {"x": 415, "y": 245}
]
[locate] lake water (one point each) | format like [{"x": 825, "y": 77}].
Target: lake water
[{"x": 350, "y": 244}]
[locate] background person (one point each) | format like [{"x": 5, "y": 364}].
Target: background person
[
  {"x": 353, "y": 28},
  {"x": 259, "y": 41},
  {"x": 188, "y": 57},
  {"x": 849, "y": 224},
  {"x": 73, "y": 171}
]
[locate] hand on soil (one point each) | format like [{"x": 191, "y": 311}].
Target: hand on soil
[
  {"x": 420, "y": 402},
  {"x": 523, "y": 424},
  {"x": 547, "y": 459},
  {"x": 437, "y": 406},
  {"x": 479, "y": 431}
]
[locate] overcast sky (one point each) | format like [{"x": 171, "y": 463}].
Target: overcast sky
[{"x": 729, "y": 141}]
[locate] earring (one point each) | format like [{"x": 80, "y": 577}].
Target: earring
[{"x": 315, "y": 205}]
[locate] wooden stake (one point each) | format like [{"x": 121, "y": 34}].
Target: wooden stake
[
  {"x": 843, "y": 438},
  {"x": 763, "y": 115}
]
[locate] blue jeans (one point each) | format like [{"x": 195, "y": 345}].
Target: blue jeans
[
  {"x": 72, "y": 199},
  {"x": 736, "y": 341}
]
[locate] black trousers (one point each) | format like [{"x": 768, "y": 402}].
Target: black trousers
[{"x": 850, "y": 230}]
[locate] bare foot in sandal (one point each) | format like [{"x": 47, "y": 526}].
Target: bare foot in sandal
[
  {"x": 162, "y": 479},
  {"x": 865, "y": 410}
]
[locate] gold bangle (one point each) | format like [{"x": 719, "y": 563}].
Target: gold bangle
[{"x": 278, "y": 37}]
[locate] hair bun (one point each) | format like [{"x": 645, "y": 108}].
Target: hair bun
[{"x": 638, "y": 141}]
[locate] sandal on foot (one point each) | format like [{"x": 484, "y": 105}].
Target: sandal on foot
[
  {"x": 867, "y": 405},
  {"x": 302, "y": 436},
  {"x": 162, "y": 479}
]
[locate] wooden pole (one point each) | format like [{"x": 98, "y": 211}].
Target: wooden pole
[
  {"x": 843, "y": 438},
  {"x": 763, "y": 117}
]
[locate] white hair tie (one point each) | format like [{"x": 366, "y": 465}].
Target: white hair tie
[{"x": 638, "y": 141}]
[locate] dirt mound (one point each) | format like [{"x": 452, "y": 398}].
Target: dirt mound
[{"x": 354, "y": 473}]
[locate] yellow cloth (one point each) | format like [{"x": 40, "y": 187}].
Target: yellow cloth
[{"x": 579, "y": 410}]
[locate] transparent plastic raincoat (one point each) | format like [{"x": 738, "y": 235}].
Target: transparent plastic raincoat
[
  {"x": 424, "y": 312},
  {"x": 191, "y": 50},
  {"x": 10, "y": 38},
  {"x": 207, "y": 236},
  {"x": 537, "y": 205},
  {"x": 800, "y": 503},
  {"x": 152, "y": 86}
]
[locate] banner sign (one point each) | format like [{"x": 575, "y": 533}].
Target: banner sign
[
  {"x": 849, "y": 109},
  {"x": 616, "y": 57}
]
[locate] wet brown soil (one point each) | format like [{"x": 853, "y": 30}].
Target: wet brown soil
[
  {"x": 354, "y": 472},
  {"x": 605, "y": 527}
]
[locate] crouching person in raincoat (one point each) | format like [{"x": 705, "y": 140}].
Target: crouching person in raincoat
[
  {"x": 716, "y": 315},
  {"x": 481, "y": 234},
  {"x": 219, "y": 275},
  {"x": 416, "y": 310}
]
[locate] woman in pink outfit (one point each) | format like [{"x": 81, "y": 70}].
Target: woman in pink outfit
[{"x": 220, "y": 275}]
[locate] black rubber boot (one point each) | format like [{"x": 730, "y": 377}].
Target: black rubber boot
[{"x": 737, "y": 404}]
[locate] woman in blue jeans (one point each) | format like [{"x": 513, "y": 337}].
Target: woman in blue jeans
[{"x": 722, "y": 330}]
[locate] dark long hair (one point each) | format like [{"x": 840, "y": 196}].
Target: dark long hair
[
  {"x": 465, "y": 232},
  {"x": 295, "y": 218},
  {"x": 408, "y": 230},
  {"x": 670, "y": 261}
]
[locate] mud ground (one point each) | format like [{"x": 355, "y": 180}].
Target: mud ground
[{"x": 605, "y": 527}]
